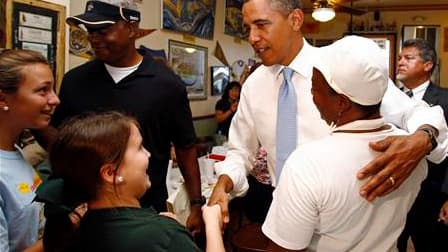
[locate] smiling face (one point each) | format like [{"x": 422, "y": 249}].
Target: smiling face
[
  {"x": 324, "y": 97},
  {"x": 112, "y": 43},
  {"x": 133, "y": 168},
  {"x": 275, "y": 36},
  {"x": 35, "y": 100}
]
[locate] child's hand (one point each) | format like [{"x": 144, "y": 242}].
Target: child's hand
[
  {"x": 77, "y": 214},
  {"x": 212, "y": 215}
]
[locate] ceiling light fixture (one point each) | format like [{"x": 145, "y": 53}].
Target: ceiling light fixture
[{"x": 324, "y": 14}]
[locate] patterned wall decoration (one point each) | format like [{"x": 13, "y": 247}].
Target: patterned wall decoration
[
  {"x": 234, "y": 18},
  {"x": 194, "y": 17}
]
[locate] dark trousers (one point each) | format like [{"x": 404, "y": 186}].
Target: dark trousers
[
  {"x": 427, "y": 234},
  {"x": 157, "y": 194},
  {"x": 155, "y": 197},
  {"x": 257, "y": 200}
]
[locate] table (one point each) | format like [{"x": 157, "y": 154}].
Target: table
[{"x": 178, "y": 201}]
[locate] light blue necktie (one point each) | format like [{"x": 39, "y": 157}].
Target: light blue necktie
[{"x": 286, "y": 121}]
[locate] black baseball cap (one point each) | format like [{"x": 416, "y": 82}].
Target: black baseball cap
[{"x": 100, "y": 14}]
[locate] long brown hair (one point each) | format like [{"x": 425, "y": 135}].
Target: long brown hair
[{"x": 84, "y": 144}]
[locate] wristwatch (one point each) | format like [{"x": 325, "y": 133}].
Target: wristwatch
[
  {"x": 431, "y": 136},
  {"x": 201, "y": 201}
]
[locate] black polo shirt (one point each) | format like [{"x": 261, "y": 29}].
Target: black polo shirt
[{"x": 153, "y": 94}]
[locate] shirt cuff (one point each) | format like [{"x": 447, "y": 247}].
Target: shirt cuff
[{"x": 236, "y": 174}]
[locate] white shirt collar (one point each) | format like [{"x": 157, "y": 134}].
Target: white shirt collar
[
  {"x": 362, "y": 125},
  {"x": 119, "y": 73},
  {"x": 300, "y": 64},
  {"x": 419, "y": 91}
]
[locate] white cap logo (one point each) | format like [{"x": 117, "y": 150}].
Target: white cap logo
[
  {"x": 133, "y": 18},
  {"x": 90, "y": 7}
]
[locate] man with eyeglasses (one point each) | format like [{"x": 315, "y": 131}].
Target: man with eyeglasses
[{"x": 416, "y": 63}]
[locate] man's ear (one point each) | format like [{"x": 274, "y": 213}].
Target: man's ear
[
  {"x": 428, "y": 65},
  {"x": 296, "y": 17},
  {"x": 107, "y": 172},
  {"x": 133, "y": 27}
]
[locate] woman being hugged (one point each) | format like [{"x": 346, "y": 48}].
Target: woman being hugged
[
  {"x": 27, "y": 101},
  {"x": 100, "y": 159}
]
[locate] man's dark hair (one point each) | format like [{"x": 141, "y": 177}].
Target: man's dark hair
[
  {"x": 426, "y": 50},
  {"x": 284, "y": 6}
]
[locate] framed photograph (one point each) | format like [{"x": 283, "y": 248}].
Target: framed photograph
[
  {"x": 220, "y": 76},
  {"x": 196, "y": 18},
  {"x": 190, "y": 63},
  {"x": 39, "y": 26},
  {"x": 387, "y": 42}
]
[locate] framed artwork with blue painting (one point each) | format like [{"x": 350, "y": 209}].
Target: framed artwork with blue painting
[
  {"x": 194, "y": 17},
  {"x": 190, "y": 63},
  {"x": 234, "y": 19}
]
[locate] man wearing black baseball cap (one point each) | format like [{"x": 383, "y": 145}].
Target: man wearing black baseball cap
[
  {"x": 129, "y": 80},
  {"x": 102, "y": 13}
]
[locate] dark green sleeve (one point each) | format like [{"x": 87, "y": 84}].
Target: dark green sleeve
[{"x": 182, "y": 241}]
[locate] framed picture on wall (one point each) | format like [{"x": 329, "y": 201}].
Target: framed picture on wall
[
  {"x": 387, "y": 42},
  {"x": 196, "y": 18},
  {"x": 190, "y": 63},
  {"x": 38, "y": 26},
  {"x": 234, "y": 19},
  {"x": 220, "y": 76}
]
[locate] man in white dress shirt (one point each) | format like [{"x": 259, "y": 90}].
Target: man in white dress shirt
[
  {"x": 316, "y": 204},
  {"x": 274, "y": 33}
]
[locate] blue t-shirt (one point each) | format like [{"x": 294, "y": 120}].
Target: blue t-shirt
[{"x": 21, "y": 219}]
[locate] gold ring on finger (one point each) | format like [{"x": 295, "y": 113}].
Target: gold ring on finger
[{"x": 392, "y": 180}]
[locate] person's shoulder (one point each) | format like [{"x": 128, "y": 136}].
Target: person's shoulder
[
  {"x": 438, "y": 88},
  {"x": 163, "y": 73},
  {"x": 157, "y": 67},
  {"x": 83, "y": 69},
  {"x": 260, "y": 76},
  {"x": 438, "y": 95},
  {"x": 309, "y": 154},
  {"x": 166, "y": 229},
  {"x": 220, "y": 102},
  {"x": 314, "y": 146}
]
